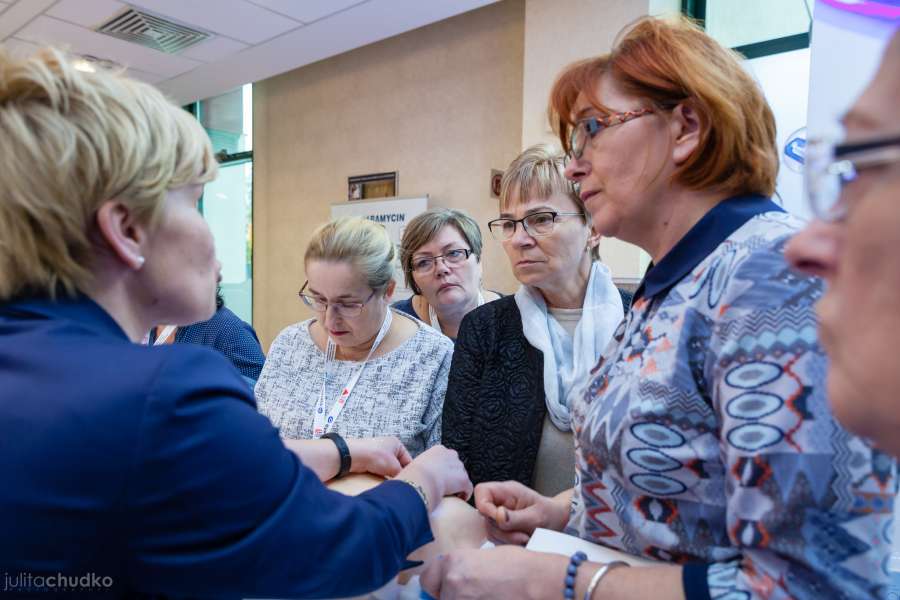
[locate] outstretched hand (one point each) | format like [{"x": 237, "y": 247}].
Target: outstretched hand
[{"x": 514, "y": 511}]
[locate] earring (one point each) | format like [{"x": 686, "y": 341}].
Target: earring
[{"x": 140, "y": 261}]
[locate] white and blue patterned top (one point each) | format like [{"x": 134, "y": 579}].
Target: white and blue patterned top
[{"x": 705, "y": 437}]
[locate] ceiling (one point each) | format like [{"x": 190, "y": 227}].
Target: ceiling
[{"x": 250, "y": 39}]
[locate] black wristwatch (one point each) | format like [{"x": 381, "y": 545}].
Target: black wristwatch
[{"x": 343, "y": 450}]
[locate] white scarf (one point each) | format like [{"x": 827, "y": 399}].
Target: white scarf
[{"x": 568, "y": 361}]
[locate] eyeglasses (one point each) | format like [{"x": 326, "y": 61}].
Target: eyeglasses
[
  {"x": 586, "y": 129},
  {"x": 344, "y": 309},
  {"x": 425, "y": 264},
  {"x": 535, "y": 224},
  {"x": 831, "y": 167}
]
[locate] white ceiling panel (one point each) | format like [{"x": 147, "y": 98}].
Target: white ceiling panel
[
  {"x": 145, "y": 77},
  {"x": 18, "y": 15},
  {"x": 307, "y": 11},
  {"x": 87, "y": 14},
  {"x": 213, "y": 49},
  {"x": 44, "y": 30},
  {"x": 20, "y": 47},
  {"x": 337, "y": 34},
  {"x": 253, "y": 39},
  {"x": 234, "y": 18}
]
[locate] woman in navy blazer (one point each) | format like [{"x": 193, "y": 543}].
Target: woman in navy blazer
[{"x": 149, "y": 470}]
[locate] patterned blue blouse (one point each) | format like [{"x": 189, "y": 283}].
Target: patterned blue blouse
[{"x": 705, "y": 437}]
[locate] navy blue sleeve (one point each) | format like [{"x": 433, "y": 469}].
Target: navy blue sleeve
[
  {"x": 216, "y": 504},
  {"x": 405, "y": 306},
  {"x": 695, "y": 581},
  {"x": 239, "y": 343}
]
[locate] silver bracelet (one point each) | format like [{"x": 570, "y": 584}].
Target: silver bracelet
[
  {"x": 600, "y": 574},
  {"x": 419, "y": 490}
]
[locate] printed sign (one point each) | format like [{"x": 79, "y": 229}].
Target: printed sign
[{"x": 394, "y": 214}]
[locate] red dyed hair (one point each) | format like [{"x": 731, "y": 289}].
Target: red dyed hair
[{"x": 667, "y": 63}]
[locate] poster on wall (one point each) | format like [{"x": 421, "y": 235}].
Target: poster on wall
[{"x": 394, "y": 214}]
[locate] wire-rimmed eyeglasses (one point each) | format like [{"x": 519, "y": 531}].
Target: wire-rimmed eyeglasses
[
  {"x": 426, "y": 264},
  {"x": 536, "y": 224},
  {"x": 345, "y": 309},
  {"x": 830, "y": 167}
]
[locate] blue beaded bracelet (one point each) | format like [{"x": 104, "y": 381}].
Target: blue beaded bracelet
[{"x": 574, "y": 562}]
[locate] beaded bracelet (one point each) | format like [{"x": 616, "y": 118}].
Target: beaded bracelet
[{"x": 574, "y": 562}]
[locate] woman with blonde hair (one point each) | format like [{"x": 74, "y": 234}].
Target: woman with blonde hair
[
  {"x": 149, "y": 469},
  {"x": 358, "y": 368},
  {"x": 703, "y": 437}
]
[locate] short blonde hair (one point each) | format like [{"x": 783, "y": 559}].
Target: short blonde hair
[
  {"x": 666, "y": 62},
  {"x": 71, "y": 141},
  {"x": 360, "y": 242},
  {"x": 425, "y": 226},
  {"x": 539, "y": 172}
]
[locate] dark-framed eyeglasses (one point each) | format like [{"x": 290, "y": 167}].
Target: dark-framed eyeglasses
[
  {"x": 425, "y": 264},
  {"x": 831, "y": 166},
  {"x": 536, "y": 224},
  {"x": 585, "y": 129},
  {"x": 344, "y": 309}
]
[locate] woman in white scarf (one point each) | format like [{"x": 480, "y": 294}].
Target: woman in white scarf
[{"x": 520, "y": 360}]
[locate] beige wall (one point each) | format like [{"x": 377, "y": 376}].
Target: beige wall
[
  {"x": 588, "y": 28},
  {"x": 442, "y": 105},
  {"x": 557, "y": 33}
]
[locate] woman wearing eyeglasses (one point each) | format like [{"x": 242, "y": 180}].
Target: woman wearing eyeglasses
[
  {"x": 703, "y": 437},
  {"x": 358, "y": 368},
  {"x": 441, "y": 257},
  {"x": 149, "y": 468},
  {"x": 519, "y": 360},
  {"x": 853, "y": 185}
]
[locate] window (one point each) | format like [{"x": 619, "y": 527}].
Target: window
[
  {"x": 774, "y": 37},
  {"x": 755, "y": 29},
  {"x": 227, "y": 202}
]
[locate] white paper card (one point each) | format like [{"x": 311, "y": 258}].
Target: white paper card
[{"x": 545, "y": 540}]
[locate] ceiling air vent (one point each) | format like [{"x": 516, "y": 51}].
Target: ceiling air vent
[{"x": 151, "y": 31}]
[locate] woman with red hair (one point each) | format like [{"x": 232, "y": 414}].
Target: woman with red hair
[{"x": 703, "y": 439}]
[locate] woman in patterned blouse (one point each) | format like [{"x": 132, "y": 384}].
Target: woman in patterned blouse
[
  {"x": 704, "y": 439},
  {"x": 358, "y": 368}
]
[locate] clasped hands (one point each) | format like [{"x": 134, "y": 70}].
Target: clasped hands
[{"x": 512, "y": 512}]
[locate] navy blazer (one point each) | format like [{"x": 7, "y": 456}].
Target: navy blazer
[{"x": 152, "y": 467}]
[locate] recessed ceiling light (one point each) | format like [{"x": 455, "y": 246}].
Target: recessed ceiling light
[
  {"x": 83, "y": 65},
  {"x": 89, "y": 63}
]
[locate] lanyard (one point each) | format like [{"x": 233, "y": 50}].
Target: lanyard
[
  {"x": 432, "y": 314},
  {"x": 323, "y": 420},
  {"x": 163, "y": 337}
]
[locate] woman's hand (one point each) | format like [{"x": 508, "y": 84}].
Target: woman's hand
[
  {"x": 384, "y": 456},
  {"x": 505, "y": 572},
  {"x": 514, "y": 511},
  {"x": 440, "y": 472}
]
